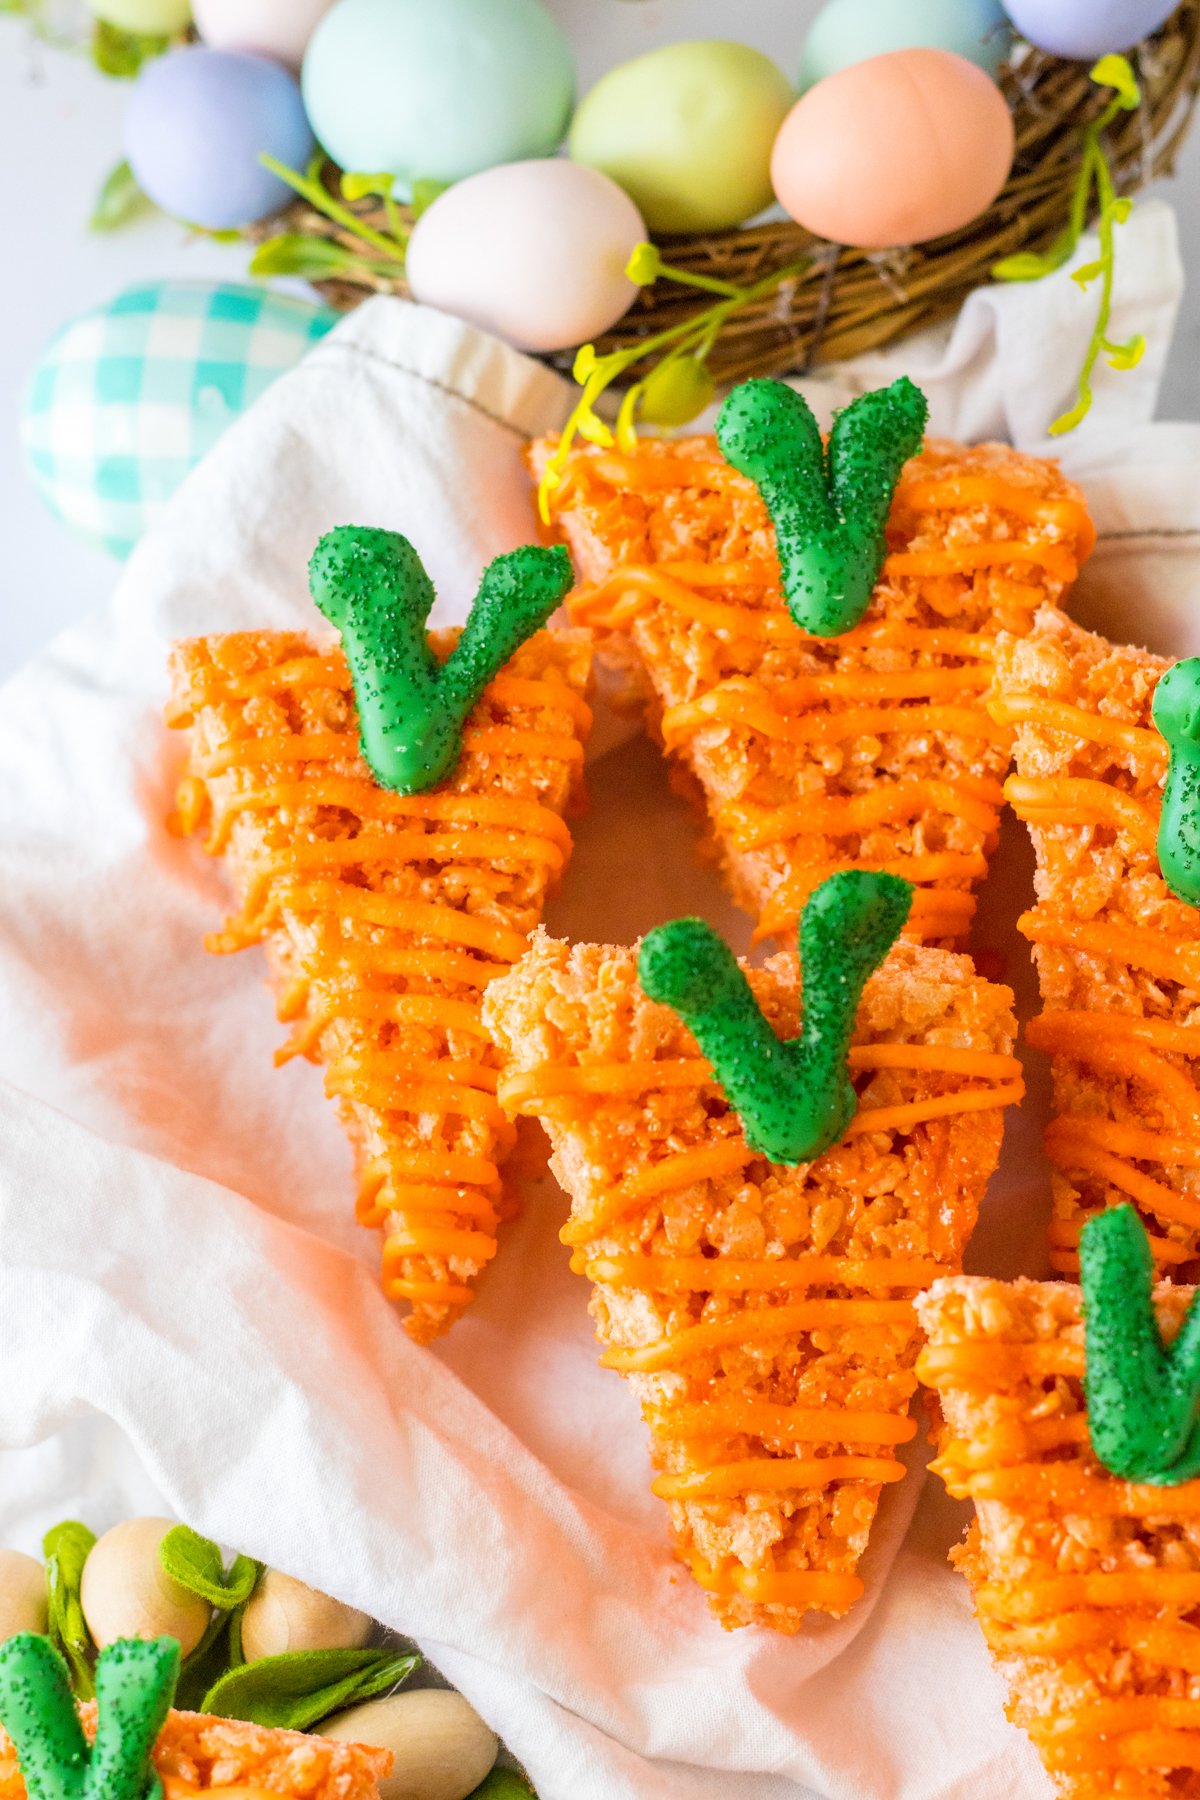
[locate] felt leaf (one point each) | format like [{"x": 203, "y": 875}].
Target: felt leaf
[
  {"x": 1143, "y": 1396},
  {"x": 196, "y": 1563},
  {"x": 794, "y": 1096},
  {"x": 503, "y": 1784},
  {"x": 829, "y": 506},
  {"x": 135, "y": 1684},
  {"x": 372, "y": 587},
  {"x": 298, "y": 1689},
  {"x": 66, "y": 1548}
]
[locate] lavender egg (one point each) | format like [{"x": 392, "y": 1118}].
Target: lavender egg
[
  {"x": 1087, "y": 29},
  {"x": 197, "y": 124}
]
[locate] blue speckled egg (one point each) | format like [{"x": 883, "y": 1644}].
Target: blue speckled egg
[
  {"x": 197, "y": 124},
  {"x": 437, "y": 89},
  {"x": 1087, "y": 29},
  {"x": 126, "y": 399},
  {"x": 848, "y": 31}
]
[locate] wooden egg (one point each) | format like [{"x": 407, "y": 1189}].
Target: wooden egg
[
  {"x": 442, "y": 1747},
  {"x": 126, "y": 1592},
  {"x": 22, "y": 1594},
  {"x": 284, "y": 1614}
]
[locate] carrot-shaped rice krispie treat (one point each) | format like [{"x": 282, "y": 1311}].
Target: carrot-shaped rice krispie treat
[
  {"x": 128, "y": 1745},
  {"x": 390, "y": 880},
  {"x": 815, "y": 631},
  {"x": 1117, "y": 948},
  {"x": 756, "y": 1211},
  {"x": 1071, "y": 1425}
]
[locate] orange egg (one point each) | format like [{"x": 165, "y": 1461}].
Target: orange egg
[{"x": 894, "y": 150}]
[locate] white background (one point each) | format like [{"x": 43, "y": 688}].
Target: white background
[{"x": 60, "y": 131}]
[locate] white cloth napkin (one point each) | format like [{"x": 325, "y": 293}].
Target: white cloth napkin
[{"x": 189, "y": 1318}]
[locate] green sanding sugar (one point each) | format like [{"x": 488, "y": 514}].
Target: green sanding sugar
[
  {"x": 372, "y": 586},
  {"x": 135, "y": 1685},
  {"x": 1177, "y": 715},
  {"x": 1143, "y": 1397},
  {"x": 793, "y": 1096},
  {"x": 829, "y": 508}
]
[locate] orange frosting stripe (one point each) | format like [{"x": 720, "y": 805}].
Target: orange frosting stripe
[
  {"x": 317, "y": 842},
  {"x": 765, "y": 1475},
  {"x": 1060, "y": 800},
  {"x": 760, "y": 1324},
  {"x": 1075, "y": 722},
  {"x": 781, "y": 1587},
  {"x": 1139, "y": 946},
  {"x": 741, "y": 1417},
  {"x": 703, "y": 1274}
]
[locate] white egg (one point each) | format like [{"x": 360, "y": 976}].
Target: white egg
[
  {"x": 279, "y": 28},
  {"x": 126, "y": 1592},
  {"x": 532, "y": 251}
]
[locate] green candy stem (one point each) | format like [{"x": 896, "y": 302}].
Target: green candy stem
[
  {"x": 135, "y": 1684},
  {"x": 1176, "y": 712},
  {"x": 830, "y": 511},
  {"x": 793, "y": 1096},
  {"x": 1143, "y": 1397},
  {"x": 371, "y": 585}
]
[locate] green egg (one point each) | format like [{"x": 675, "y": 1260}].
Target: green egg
[{"x": 687, "y": 132}]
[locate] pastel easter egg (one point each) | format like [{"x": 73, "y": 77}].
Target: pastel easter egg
[
  {"x": 146, "y": 18},
  {"x": 437, "y": 89},
  {"x": 126, "y": 399},
  {"x": 848, "y": 31},
  {"x": 687, "y": 132},
  {"x": 198, "y": 123},
  {"x": 894, "y": 150},
  {"x": 533, "y": 251},
  {"x": 1087, "y": 29},
  {"x": 279, "y": 28}
]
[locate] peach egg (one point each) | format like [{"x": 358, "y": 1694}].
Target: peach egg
[{"x": 894, "y": 150}]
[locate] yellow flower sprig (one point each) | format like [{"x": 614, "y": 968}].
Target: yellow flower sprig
[
  {"x": 1094, "y": 180},
  {"x": 678, "y": 386}
]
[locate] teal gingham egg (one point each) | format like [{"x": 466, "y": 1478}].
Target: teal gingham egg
[{"x": 126, "y": 399}]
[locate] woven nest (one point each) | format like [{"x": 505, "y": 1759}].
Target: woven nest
[{"x": 849, "y": 301}]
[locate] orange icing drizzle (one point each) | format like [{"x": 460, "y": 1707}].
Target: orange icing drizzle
[
  {"x": 432, "y": 1204},
  {"x": 780, "y": 1587},
  {"x": 833, "y": 705}
]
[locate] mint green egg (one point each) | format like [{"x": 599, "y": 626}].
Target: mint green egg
[
  {"x": 848, "y": 31},
  {"x": 687, "y": 131}
]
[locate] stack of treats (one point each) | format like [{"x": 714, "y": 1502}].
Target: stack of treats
[{"x": 774, "y": 1315}]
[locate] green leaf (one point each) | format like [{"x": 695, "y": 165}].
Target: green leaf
[
  {"x": 316, "y": 259},
  {"x": 1031, "y": 265},
  {"x": 645, "y": 265},
  {"x": 1115, "y": 72},
  {"x": 66, "y": 1548},
  {"x": 1127, "y": 355},
  {"x": 1087, "y": 273},
  {"x": 122, "y": 53},
  {"x": 356, "y": 186},
  {"x": 196, "y": 1563},
  {"x": 503, "y": 1784},
  {"x": 119, "y": 200},
  {"x": 295, "y": 1691},
  {"x": 425, "y": 191}
]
